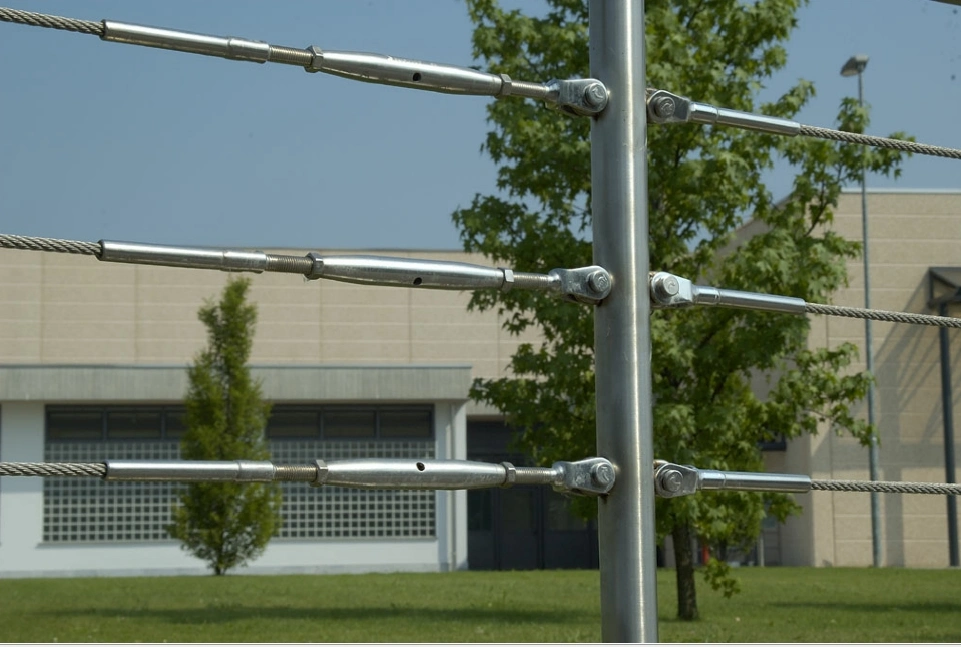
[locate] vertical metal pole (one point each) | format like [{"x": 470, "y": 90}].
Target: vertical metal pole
[
  {"x": 947, "y": 413},
  {"x": 622, "y": 339},
  {"x": 869, "y": 343}
]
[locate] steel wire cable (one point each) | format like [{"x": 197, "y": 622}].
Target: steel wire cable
[
  {"x": 53, "y": 469},
  {"x": 293, "y": 56},
  {"x": 228, "y": 471},
  {"x": 302, "y": 265},
  {"x": 888, "y": 487},
  {"x": 883, "y": 315},
  {"x": 275, "y": 262},
  {"x": 278, "y": 54},
  {"x": 61, "y": 246},
  {"x": 306, "y": 58},
  {"x": 879, "y": 142},
  {"x": 34, "y": 19},
  {"x": 283, "y": 472}
]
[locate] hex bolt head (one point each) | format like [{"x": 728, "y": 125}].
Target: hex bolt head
[
  {"x": 670, "y": 481},
  {"x": 666, "y": 287},
  {"x": 599, "y": 282},
  {"x": 595, "y": 95},
  {"x": 602, "y": 475},
  {"x": 664, "y": 107}
]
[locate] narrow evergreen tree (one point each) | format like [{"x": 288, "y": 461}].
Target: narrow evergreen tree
[{"x": 226, "y": 524}]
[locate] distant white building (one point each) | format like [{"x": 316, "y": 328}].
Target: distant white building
[{"x": 93, "y": 367}]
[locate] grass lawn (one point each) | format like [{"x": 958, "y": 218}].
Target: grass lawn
[{"x": 776, "y": 605}]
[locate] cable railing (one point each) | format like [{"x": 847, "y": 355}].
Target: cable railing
[{"x": 622, "y": 475}]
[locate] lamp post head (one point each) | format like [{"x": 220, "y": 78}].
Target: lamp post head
[{"x": 855, "y": 65}]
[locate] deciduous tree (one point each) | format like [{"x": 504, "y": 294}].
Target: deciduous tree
[{"x": 704, "y": 183}]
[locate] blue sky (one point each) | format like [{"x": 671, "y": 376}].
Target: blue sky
[{"x": 102, "y": 140}]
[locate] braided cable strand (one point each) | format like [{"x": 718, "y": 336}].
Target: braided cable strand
[
  {"x": 52, "y": 22},
  {"x": 879, "y": 142},
  {"x": 883, "y": 315},
  {"x": 53, "y": 469},
  {"x": 889, "y": 487},
  {"x": 49, "y": 245}
]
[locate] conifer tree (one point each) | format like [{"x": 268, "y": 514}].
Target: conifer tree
[{"x": 226, "y": 524}]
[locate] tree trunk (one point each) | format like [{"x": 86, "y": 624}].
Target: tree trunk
[{"x": 684, "y": 570}]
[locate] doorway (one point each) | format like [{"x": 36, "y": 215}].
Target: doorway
[{"x": 523, "y": 527}]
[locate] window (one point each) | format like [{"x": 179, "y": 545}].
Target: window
[
  {"x": 338, "y": 422},
  {"x": 293, "y": 422},
  {"x": 773, "y": 442},
  {"x": 406, "y": 423},
  {"x": 89, "y": 510},
  {"x": 134, "y": 424},
  {"x": 74, "y": 424},
  {"x": 350, "y": 424},
  {"x": 98, "y": 423},
  {"x": 175, "y": 425}
]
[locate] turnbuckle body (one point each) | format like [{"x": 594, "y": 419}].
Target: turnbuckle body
[
  {"x": 585, "y": 285},
  {"x": 420, "y": 75},
  {"x": 588, "y": 477},
  {"x": 588, "y": 285},
  {"x": 578, "y": 97}
]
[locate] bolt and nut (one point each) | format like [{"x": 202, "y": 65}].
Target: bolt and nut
[
  {"x": 602, "y": 475},
  {"x": 664, "y": 107},
  {"x": 599, "y": 282},
  {"x": 670, "y": 481},
  {"x": 666, "y": 287},
  {"x": 595, "y": 95}
]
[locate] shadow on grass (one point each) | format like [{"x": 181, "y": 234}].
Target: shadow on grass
[
  {"x": 233, "y": 613},
  {"x": 873, "y": 607}
]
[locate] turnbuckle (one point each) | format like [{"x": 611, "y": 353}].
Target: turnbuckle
[
  {"x": 588, "y": 285},
  {"x": 588, "y": 477},
  {"x": 578, "y": 97}
]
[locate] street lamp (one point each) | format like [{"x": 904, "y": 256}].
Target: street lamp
[{"x": 856, "y": 65}]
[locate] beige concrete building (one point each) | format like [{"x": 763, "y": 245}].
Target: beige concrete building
[
  {"x": 910, "y": 232},
  {"x": 92, "y": 359}
]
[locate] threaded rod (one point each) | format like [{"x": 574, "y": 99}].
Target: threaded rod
[{"x": 304, "y": 473}]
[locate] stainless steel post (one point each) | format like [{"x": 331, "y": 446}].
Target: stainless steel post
[{"x": 622, "y": 343}]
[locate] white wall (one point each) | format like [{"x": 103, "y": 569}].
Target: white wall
[
  {"x": 21, "y": 498},
  {"x": 23, "y": 553}
]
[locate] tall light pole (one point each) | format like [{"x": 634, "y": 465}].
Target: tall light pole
[{"x": 856, "y": 65}]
